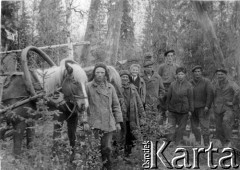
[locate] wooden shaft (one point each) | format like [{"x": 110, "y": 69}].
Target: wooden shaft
[
  {"x": 20, "y": 103},
  {"x": 50, "y": 46}
]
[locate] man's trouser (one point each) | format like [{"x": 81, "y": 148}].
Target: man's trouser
[
  {"x": 106, "y": 147},
  {"x": 200, "y": 119},
  {"x": 163, "y": 103},
  {"x": 224, "y": 122},
  {"x": 176, "y": 133}
]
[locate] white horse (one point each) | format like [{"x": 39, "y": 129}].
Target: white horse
[{"x": 72, "y": 80}]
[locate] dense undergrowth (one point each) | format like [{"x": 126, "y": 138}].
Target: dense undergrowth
[{"x": 87, "y": 154}]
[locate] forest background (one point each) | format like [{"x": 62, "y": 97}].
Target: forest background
[{"x": 205, "y": 33}]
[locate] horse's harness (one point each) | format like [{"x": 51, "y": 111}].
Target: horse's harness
[
  {"x": 73, "y": 97},
  {"x": 57, "y": 98}
]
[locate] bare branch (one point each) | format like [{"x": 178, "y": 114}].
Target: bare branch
[{"x": 79, "y": 11}]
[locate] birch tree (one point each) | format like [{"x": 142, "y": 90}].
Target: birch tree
[
  {"x": 90, "y": 30},
  {"x": 113, "y": 34},
  {"x": 68, "y": 28}
]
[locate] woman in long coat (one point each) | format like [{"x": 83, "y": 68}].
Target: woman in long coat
[{"x": 134, "y": 112}]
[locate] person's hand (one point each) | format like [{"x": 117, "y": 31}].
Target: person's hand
[
  {"x": 86, "y": 127},
  {"x": 118, "y": 127}
]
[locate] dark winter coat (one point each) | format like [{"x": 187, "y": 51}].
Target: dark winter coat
[
  {"x": 136, "y": 110},
  {"x": 225, "y": 96},
  {"x": 154, "y": 88},
  {"x": 202, "y": 93},
  {"x": 142, "y": 89},
  {"x": 180, "y": 97}
]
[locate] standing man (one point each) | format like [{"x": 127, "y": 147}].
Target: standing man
[
  {"x": 135, "y": 112},
  {"x": 202, "y": 99},
  {"x": 167, "y": 70},
  {"x": 104, "y": 109},
  {"x": 154, "y": 87},
  {"x": 138, "y": 81},
  {"x": 225, "y": 95}
]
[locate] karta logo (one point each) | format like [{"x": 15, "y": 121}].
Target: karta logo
[{"x": 154, "y": 152}]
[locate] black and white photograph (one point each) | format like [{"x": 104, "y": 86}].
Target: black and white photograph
[{"x": 119, "y": 84}]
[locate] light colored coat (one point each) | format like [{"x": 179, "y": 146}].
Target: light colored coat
[{"x": 104, "y": 108}]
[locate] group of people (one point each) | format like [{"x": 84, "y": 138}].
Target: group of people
[{"x": 167, "y": 93}]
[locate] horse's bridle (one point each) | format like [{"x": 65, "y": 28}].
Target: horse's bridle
[{"x": 74, "y": 100}]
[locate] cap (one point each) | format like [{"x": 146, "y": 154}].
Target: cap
[
  {"x": 196, "y": 67},
  {"x": 223, "y": 70},
  {"x": 169, "y": 51},
  {"x": 124, "y": 72}
]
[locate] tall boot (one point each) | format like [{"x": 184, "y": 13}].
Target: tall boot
[
  {"x": 106, "y": 158},
  {"x": 128, "y": 150}
]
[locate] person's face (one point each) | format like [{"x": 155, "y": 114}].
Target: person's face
[
  {"x": 197, "y": 73},
  {"x": 135, "y": 71},
  {"x": 125, "y": 79},
  {"x": 169, "y": 57},
  {"x": 221, "y": 76},
  {"x": 148, "y": 69},
  {"x": 181, "y": 76},
  {"x": 100, "y": 74}
]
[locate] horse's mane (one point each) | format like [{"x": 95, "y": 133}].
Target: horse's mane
[
  {"x": 54, "y": 75},
  {"x": 50, "y": 79},
  {"x": 78, "y": 73},
  {"x": 114, "y": 75}
]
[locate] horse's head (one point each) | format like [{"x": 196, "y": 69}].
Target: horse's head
[{"x": 73, "y": 84}]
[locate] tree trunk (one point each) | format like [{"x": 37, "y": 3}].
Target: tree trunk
[
  {"x": 90, "y": 30},
  {"x": 210, "y": 33},
  {"x": 68, "y": 23},
  {"x": 113, "y": 34}
]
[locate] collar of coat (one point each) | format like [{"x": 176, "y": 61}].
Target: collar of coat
[
  {"x": 154, "y": 76},
  {"x": 96, "y": 84},
  {"x": 131, "y": 86},
  {"x": 224, "y": 83},
  {"x": 181, "y": 82},
  {"x": 196, "y": 82}
]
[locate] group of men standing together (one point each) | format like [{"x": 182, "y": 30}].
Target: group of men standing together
[{"x": 166, "y": 92}]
